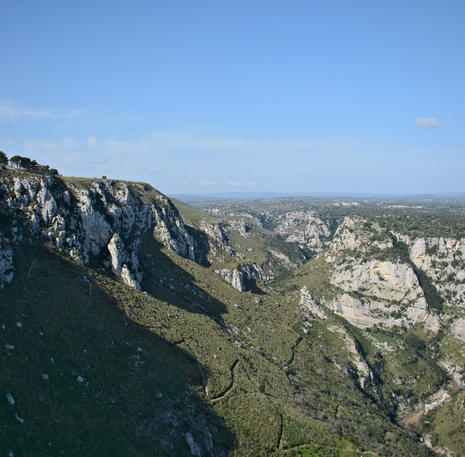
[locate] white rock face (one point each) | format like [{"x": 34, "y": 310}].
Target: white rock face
[
  {"x": 362, "y": 369},
  {"x": 387, "y": 280},
  {"x": 119, "y": 262},
  {"x": 240, "y": 227},
  {"x": 215, "y": 231},
  {"x": 368, "y": 290},
  {"x": 193, "y": 446},
  {"x": 443, "y": 260},
  {"x": 283, "y": 257},
  {"x": 237, "y": 280},
  {"x": 239, "y": 276},
  {"x": 86, "y": 220},
  {"x": 379, "y": 292},
  {"x": 6, "y": 262},
  {"x": 351, "y": 236},
  {"x": 458, "y": 329},
  {"x": 309, "y": 306},
  {"x": 304, "y": 228}
]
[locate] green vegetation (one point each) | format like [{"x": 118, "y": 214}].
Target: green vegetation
[
  {"x": 28, "y": 164},
  {"x": 85, "y": 377},
  {"x": 97, "y": 368},
  {"x": 446, "y": 425},
  {"x": 342, "y": 448}
]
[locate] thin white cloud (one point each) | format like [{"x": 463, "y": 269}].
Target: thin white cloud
[
  {"x": 163, "y": 153},
  {"x": 428, "y": 123},
  {"x": 13, "y": 111},
  {"x": 92, "y": 141},
  {"x": 241, "y": 184}
]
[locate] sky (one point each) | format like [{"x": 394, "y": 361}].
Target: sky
[{"x": 239, "y": 96}]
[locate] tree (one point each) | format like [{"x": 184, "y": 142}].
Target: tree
[
  {"x": 3, "y": 158},
  {"x": 25, "y": 162},
  {"x": 16, "y": 160}
]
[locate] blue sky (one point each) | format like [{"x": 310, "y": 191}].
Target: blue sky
[{"x": 209, "y": 96}]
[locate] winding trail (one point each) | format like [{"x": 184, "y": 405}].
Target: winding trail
[
  {"x": 202, "y": 372},
  {"x": 415, "y": 416},
  {"x": 176, "y": 343},
  {"x": 314, "y": 445},
  {"x": 204, "y": 378},
  {"x": 281, "y": 432},
  {"x": 31, "y": 267},
  {"x": 293, "y": 348},
  {"x": 89, "y": 294},
  {"x": 230, "y": 387}
]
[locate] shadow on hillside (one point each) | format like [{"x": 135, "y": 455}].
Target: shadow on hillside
[
  {"x": 87, "y": 379},
  {"x": 165, "y": 280},
  {"x": 202, "y": 245},
  {"x": 252, "y": 286}
]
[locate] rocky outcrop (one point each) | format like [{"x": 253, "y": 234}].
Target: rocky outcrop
[
  {"x": 91, "y": 219},
  {"x": 309, "y": 306},
  {"x": 6, "y": 262},
  {"x": 379, "y": 292},
  {"x": 241, "y": 275},
  {"x": 360, "y": 369},
  {"x": 443, "y": 260},
  {"x": 215, "y": 231},
  {"x": 305, "y": 228},
  {"x": 458, "y": 329},
  {"x": 356, "y": 234},
  {"x": 370, "y": 279},
  {"x": 283, "y": 258},
  {"x": 240, "y": 227}
]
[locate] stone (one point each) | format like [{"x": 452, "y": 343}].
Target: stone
[{"x": 84, "y": 222}]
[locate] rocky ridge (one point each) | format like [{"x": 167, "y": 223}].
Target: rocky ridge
[
  {"x": 443, "y": 260},
  {"x": 305, "y": 228},
  {"x": 369, "y": 284},
  {"x": 239, "y": 277},
  {"x": 99, "y": 220},
  {"x": 6, "y": 262}
]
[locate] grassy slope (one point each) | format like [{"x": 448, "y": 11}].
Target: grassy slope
[
  {"x": 447, "y": 424},
  {"x": 190, "y": 333},
  {"x": 253, "y": 248},
  {"x": 191, "y": 351},
  {"x": 132, "y": 377},
  {"x": 410, "y": 373}
]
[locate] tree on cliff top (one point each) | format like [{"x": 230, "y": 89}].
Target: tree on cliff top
[{"x": 16, "y": 160}]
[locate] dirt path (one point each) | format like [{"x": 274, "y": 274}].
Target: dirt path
[
  {"x": 31, "y": 267},
  {"x": 89, "y": 294},
  {"x": 293, "y": 348},
  {"x": 230, "y": 387},
  {"x": 281, "y": 432},
  {"x": 415, "y": 416},
  {"x": 202, "y": 372},
  {"x": 204, "y": 379}
]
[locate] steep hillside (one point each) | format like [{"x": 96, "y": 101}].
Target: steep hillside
[{"x": 124, "y": 331}]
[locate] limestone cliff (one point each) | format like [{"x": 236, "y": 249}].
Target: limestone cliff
[
  {"x": 369, "y": 282},
  {"x": 375, "y": 291},
  {"x": 89, "y": 219},
  {"x": 241, "y": 275},
  {"x": 6, "y": 262},
  {"x": 309, "y": 306},
  {"x": 305, "y": 228},
  {"x": 443, "y": 260}
]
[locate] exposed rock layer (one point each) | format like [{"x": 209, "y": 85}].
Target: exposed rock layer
[{"x": 92, "y": 219}]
